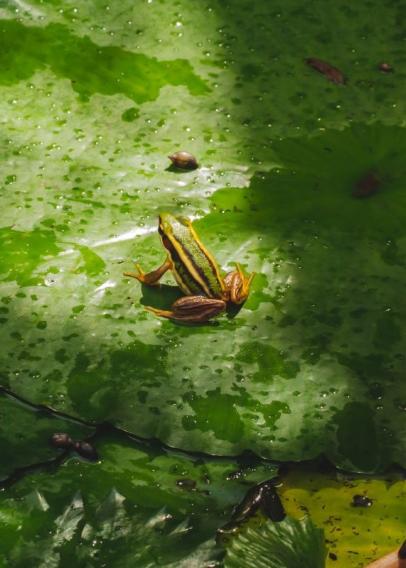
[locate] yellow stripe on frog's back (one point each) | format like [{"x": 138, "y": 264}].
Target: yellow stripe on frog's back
[
  {"x": 193, "y": 265},
  {"x": 210, "y": 258},
  {"x": 187, "y": 262}
]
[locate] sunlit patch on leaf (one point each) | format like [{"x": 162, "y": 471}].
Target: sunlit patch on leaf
[
  {"x": 21, "y": 253},
  {"x": 90, "y": 68}
]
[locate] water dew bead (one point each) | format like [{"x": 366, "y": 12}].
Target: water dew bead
[{"x": 186, "y": 484}]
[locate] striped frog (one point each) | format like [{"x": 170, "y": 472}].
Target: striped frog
[{"x": 196, "y": 272}]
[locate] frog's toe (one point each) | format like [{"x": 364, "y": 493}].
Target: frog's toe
[{"x": 139, "y": 274}]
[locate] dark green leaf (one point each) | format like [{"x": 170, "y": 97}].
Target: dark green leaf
[
  {"x": 25, "y": 436},
  {"x": 137, "y": 506},
  {"x": 288, "y": 544}
]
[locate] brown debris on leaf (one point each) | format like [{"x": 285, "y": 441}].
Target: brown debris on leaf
[
  {"x": 367, "y": 186},
  {"x": 361, "y": 501},
  {"x": 331, "y": 73},
  {"x": 262, "y": 496},
  {"x": 61, "y": 440}
]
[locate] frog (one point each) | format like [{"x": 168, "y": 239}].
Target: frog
[{"x": 206, "y": 293}]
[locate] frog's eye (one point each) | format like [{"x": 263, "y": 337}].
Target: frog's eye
[{"x": 184, "y": 221}]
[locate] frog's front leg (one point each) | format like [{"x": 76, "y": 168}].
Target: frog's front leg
[
  {"x": 192, "y": 309},
  {"x": 238, "y": 285},
  {"x": 151, "y": 278}
]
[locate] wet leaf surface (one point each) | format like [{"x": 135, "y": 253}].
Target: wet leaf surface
[
  {"x": 93, "y": 99},
  {"x": 311, "y": 364},
  {"x": 136, "y": 505},
  {"x": 25, "y": 436}
]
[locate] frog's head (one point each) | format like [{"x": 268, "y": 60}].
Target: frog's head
[
  {"x": 171, "y": 226},
  {"x": 165, "y": 221},
  {"x": 168, "y": 223}
]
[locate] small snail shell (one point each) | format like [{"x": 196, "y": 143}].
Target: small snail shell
[
  {"x": 385, "y": 67},
  {"x": 183, "y": 161}
]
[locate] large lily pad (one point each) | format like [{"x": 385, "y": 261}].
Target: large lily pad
[{"x": 92, "y": 104}]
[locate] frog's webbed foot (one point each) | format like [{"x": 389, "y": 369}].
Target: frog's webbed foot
[
  {"x": 151, "y": 278},
  {"x": 191, "y": 309},
  {"x": 238, "y": 285}
]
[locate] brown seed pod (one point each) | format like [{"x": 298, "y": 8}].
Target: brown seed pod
[
  {"x": 61, "y": 440},
  {"x": 183, "y": 161},
  {"x": 331, "y": 73},
  {"x": 86, "y": 450}
]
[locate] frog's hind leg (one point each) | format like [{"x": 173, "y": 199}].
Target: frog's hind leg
[
  {"x": 151, "y": 278},
  {"x": 192, "y": 309},
  {"x": 238, "y": 285}
]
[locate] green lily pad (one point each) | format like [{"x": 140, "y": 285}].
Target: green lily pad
[
  {"x": 93, "y": 104},
  {"x": 311, "y": 364},
  {"x": 136, "y": 505}
]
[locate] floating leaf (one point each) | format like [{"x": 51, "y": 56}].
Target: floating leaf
[
  {"x": 25, "y": 435},
  {"x": 313, "y": 362},
  {"x": 141, "y": 505},
  {"x": 288, "y": 544}
]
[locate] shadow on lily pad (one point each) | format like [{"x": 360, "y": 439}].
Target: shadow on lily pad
[{"x": 340, "y": 264}]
